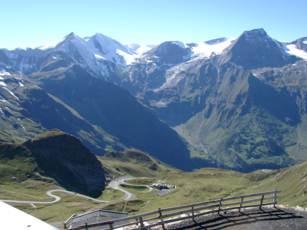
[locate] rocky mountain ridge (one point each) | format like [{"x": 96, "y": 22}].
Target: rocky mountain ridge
[{"x": 236, "y": 103}]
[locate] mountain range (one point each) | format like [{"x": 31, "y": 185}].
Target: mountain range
[{"x": 233, "y": 103}]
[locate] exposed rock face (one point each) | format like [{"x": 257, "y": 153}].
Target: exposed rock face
[
  {"x": 256, "y": 49},
  {"x": 301, "y": 43},
  {"x": 100, "y": 114},
  {"x": 242, "y": 121},
  {"x": 169, "y": 53},
  {"x": 236, "y": 103},
  {"x": 114, "y": 110},
  {"x": 64, "y": 158},
  {"x": 243, "y": 108}
]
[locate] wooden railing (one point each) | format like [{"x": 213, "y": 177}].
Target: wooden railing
[{"x": 164, "y": 216}]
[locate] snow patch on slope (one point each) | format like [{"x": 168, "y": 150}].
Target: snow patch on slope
[
  {"x": 4, "y": 73},
  {"x": 136, "y": 52},
  {"x": 129, "y": 58},
  {"x": 11, "y": 93},
  {"x": 173, "y": 76},
  {"x": 293, "y": 50},
  {"x": 98, "y": 56},
  {"x": 139, "y": 49},
  {"x": 4, "y": 101},
  {"x": 204, "y": 49}
]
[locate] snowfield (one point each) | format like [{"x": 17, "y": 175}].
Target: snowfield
[
  {"x": 205, "y": 50},
  {"x": 4, "y": 73},
  {"x": 293, "y": 50}
]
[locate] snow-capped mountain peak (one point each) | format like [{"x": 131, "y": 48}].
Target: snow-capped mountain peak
[
  {"x": 109, "y": 49},
  {"x": 55, "y": 43},
  {"x": 71, "y": 38},
  {"x": 71, "y": 35},
  {"x": 97, "y": 47},
  {"x": 104, "y": 44},
  {"x": 100, "y": 53}
]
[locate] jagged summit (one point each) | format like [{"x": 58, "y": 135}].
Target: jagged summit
[
  {"x": 70, "y": 35},
  {"x": 214, "y": 93}
]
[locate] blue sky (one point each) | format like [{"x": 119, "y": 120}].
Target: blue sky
[{"x": 35, "y": 22}]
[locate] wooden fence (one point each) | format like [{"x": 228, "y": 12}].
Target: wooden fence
[{"x": 165, "y": 216}]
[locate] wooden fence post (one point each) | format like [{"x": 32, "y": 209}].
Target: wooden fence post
[
  {"x": 137, "y": 221},
  {"x": 161, "y": 218},
  {"x": 241, "y": 203},
  {"x": 220, "y": 205},
  {"x": 142, "y": 222},
  {"x": 275, "y": 198},
  {"x": 192, "y": 212},
  {"x": 261, "y": 201}
]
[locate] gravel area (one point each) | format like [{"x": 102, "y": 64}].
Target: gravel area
[{"x": 252, "y": 219}]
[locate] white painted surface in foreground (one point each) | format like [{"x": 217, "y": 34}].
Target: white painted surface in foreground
[{"x": 13, "y": 218}]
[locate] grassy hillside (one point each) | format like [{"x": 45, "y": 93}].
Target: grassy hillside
[
  {"x": 135, "y": 163},
  {"x": 124, "y": 118},
  {"x": 197, "y": 186},
  {"x": 291, "y": 181},
  {"x": 52, "y": 160},
  {"x": 208, "y": 183},
  {"x": 65, "y": 159},
  {"x": 53, "y": 155}
]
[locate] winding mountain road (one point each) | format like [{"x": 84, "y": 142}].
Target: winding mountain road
[
  {"x": 114, "y": 184},
  {"x": 54, "y": 197}
]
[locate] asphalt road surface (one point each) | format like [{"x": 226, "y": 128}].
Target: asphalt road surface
[
  {"x": 114, "y": 184},
  {"x": 55, "y": 198}
]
